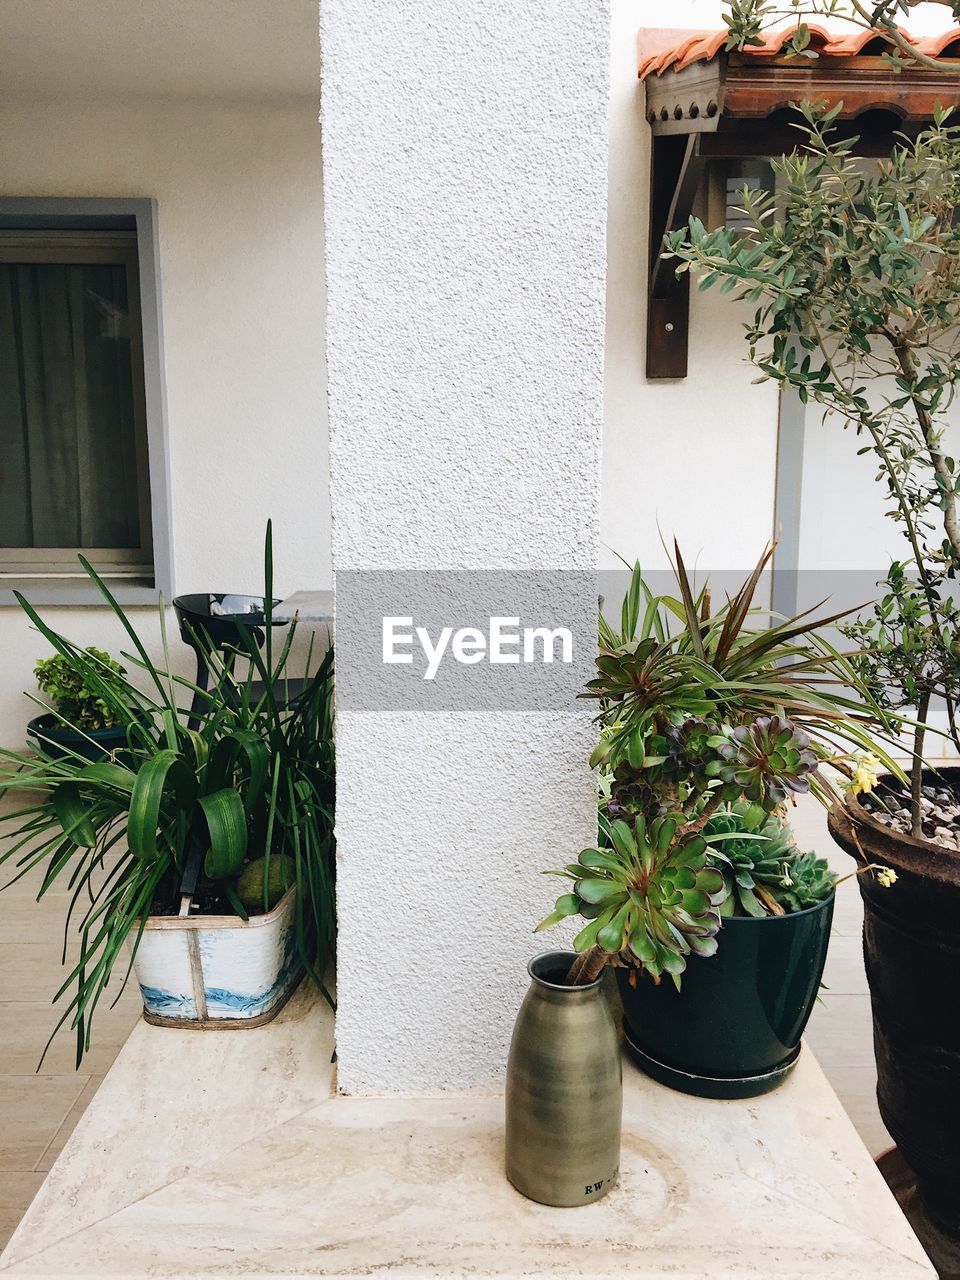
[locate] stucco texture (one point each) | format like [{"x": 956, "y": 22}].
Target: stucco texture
[{"x": 465, "y": 192}]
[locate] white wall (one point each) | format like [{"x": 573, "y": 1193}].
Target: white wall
[
  {"x": 694, "y": 458},
  {"x": 465, "y": 198},
  {"x": 697, "y": 458},
  {"x": 241, "y": 252}
]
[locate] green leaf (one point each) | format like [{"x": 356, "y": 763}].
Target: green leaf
[
  {"x": 73, "y": 815},
  {"x": 223, "y": 759},
  {"x": 166, "y": 771},
  {"x": 595, "y": 891},
  {"x": 113, "y": 775},
  {"x": 227, "y": 828}
]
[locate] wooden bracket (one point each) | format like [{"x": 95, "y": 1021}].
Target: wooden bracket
[{"x": 676, "y": 166}]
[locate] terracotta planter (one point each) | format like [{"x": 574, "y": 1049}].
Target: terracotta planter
[
  {"x": 911, "y": 944},
  {"x": 218, "y": 971}
]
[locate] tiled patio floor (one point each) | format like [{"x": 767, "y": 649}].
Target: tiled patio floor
[{"x": 39, "y": 1111}]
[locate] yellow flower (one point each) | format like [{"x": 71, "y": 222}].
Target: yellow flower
[
  {"x": 886, "y": 877},
  {"x": 865, "y": 774}
]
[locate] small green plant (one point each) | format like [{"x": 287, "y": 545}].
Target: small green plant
[
  {"x": 230, "y": 813},
  {"x": 763, "y": 870},
  {"x": 709, "y": 720},
  {"x": 649, "y": 892},
  {"x": 76, "y": 698}
]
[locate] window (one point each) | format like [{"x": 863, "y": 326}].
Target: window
[{"x": 76, "y": 465}]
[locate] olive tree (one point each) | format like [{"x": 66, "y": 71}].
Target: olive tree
[
  {"x": 855, "y": 277},
  {"x": 748, "y": 19}
]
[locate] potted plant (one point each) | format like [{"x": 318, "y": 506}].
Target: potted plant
[
  {"x": 855, "y": 279},
  {"x": 79, "y": 720},
  {"x": 709, "y": 723},
  {"x": 207, "y": 850}
]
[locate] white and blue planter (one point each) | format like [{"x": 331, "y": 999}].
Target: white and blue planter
[{"x": 218, "y": 971}]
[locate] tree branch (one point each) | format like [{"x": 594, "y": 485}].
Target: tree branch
[{"x": 951, "y": 524}]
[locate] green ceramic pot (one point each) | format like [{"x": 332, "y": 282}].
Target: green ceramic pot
[
  {"x": 733, "y": 1029},
  {"x": 60, "y": 741},
  {"x": 564, "y": 1089}
]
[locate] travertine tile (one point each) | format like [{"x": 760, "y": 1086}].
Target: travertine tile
[
  {"x": 33, "y": 1109},
  {"x": 841, "y": 1031},
  {"x": 16, "y": 1192},
  {"x": 769, "y": 1188},
  {"x": 856, "y": 1089},
  {"x": 196, "y": 1094},
  {"x": 25, "y": 1027},
  {"x": 844, "y": 973},
  {"x": 60, "y": 1138}
]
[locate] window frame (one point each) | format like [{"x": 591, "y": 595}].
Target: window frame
[{"x": 57, "y": 577}]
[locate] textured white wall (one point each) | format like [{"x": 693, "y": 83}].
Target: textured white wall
[
  {"x": 241, "y": 253},
  {"x": 465, "y": 184}
]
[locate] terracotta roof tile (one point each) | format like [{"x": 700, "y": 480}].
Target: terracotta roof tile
[{"x": 703, "y": 46}]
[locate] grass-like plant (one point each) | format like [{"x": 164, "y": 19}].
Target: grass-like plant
[
  {"x": 701, "y": 710},
  {"x": 180, "y": 811}
]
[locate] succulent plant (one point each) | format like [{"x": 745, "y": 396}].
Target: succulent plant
[
  {"x": 691, "y": 748},
  {"x": 650, "y": 895},
  {"x": 632, "y": 795},
  {"x": 765, "y": 759},
  {"x": 700, "y": 708},
  {"x": 763, "y": 869},
  {"x": 751, "y": 849},
  {"x": 811, "y": 880}
]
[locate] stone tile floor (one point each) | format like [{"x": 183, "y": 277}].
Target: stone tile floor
[{"x": 38, "y": 1111}]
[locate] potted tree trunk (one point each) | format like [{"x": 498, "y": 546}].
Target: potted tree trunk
[
  {"x": 856, "y": 277},
  {"x": 205, "y": 846},
  {"x": 696, "y": 878}
]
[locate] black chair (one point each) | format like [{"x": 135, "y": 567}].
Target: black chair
[{"x": 227, "y": 623}]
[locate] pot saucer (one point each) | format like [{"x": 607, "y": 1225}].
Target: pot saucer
[{"x": 708, "y": 1086}]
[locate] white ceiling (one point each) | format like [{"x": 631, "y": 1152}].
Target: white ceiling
[{"x": 219, "y": 49}]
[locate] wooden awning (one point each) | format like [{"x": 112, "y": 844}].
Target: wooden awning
[{"x": 703, "y": 101}]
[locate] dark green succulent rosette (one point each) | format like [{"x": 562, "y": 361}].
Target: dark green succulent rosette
[
  {"x": 651, "y": 894},
  {"x": 764, "y": 871},
  {"x": 765, "y": 759}
]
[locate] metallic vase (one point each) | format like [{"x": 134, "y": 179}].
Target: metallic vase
[{"x": 564, "y": 1090}]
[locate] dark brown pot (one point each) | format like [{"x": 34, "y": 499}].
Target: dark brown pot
[{"x": 911, "y": 946}]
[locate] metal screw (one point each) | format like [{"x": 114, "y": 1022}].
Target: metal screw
[{"x": 669, "y": 326}]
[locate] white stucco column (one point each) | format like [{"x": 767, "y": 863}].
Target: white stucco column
[{"x": 465, "y": 192}]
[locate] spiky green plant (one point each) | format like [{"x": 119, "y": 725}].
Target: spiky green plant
[
  {"x": 703, "y": 704},
  {"x": 650, "y": 893},
  {"x": 700, "y": 708},
  {"x": 181, "y": 810}
]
